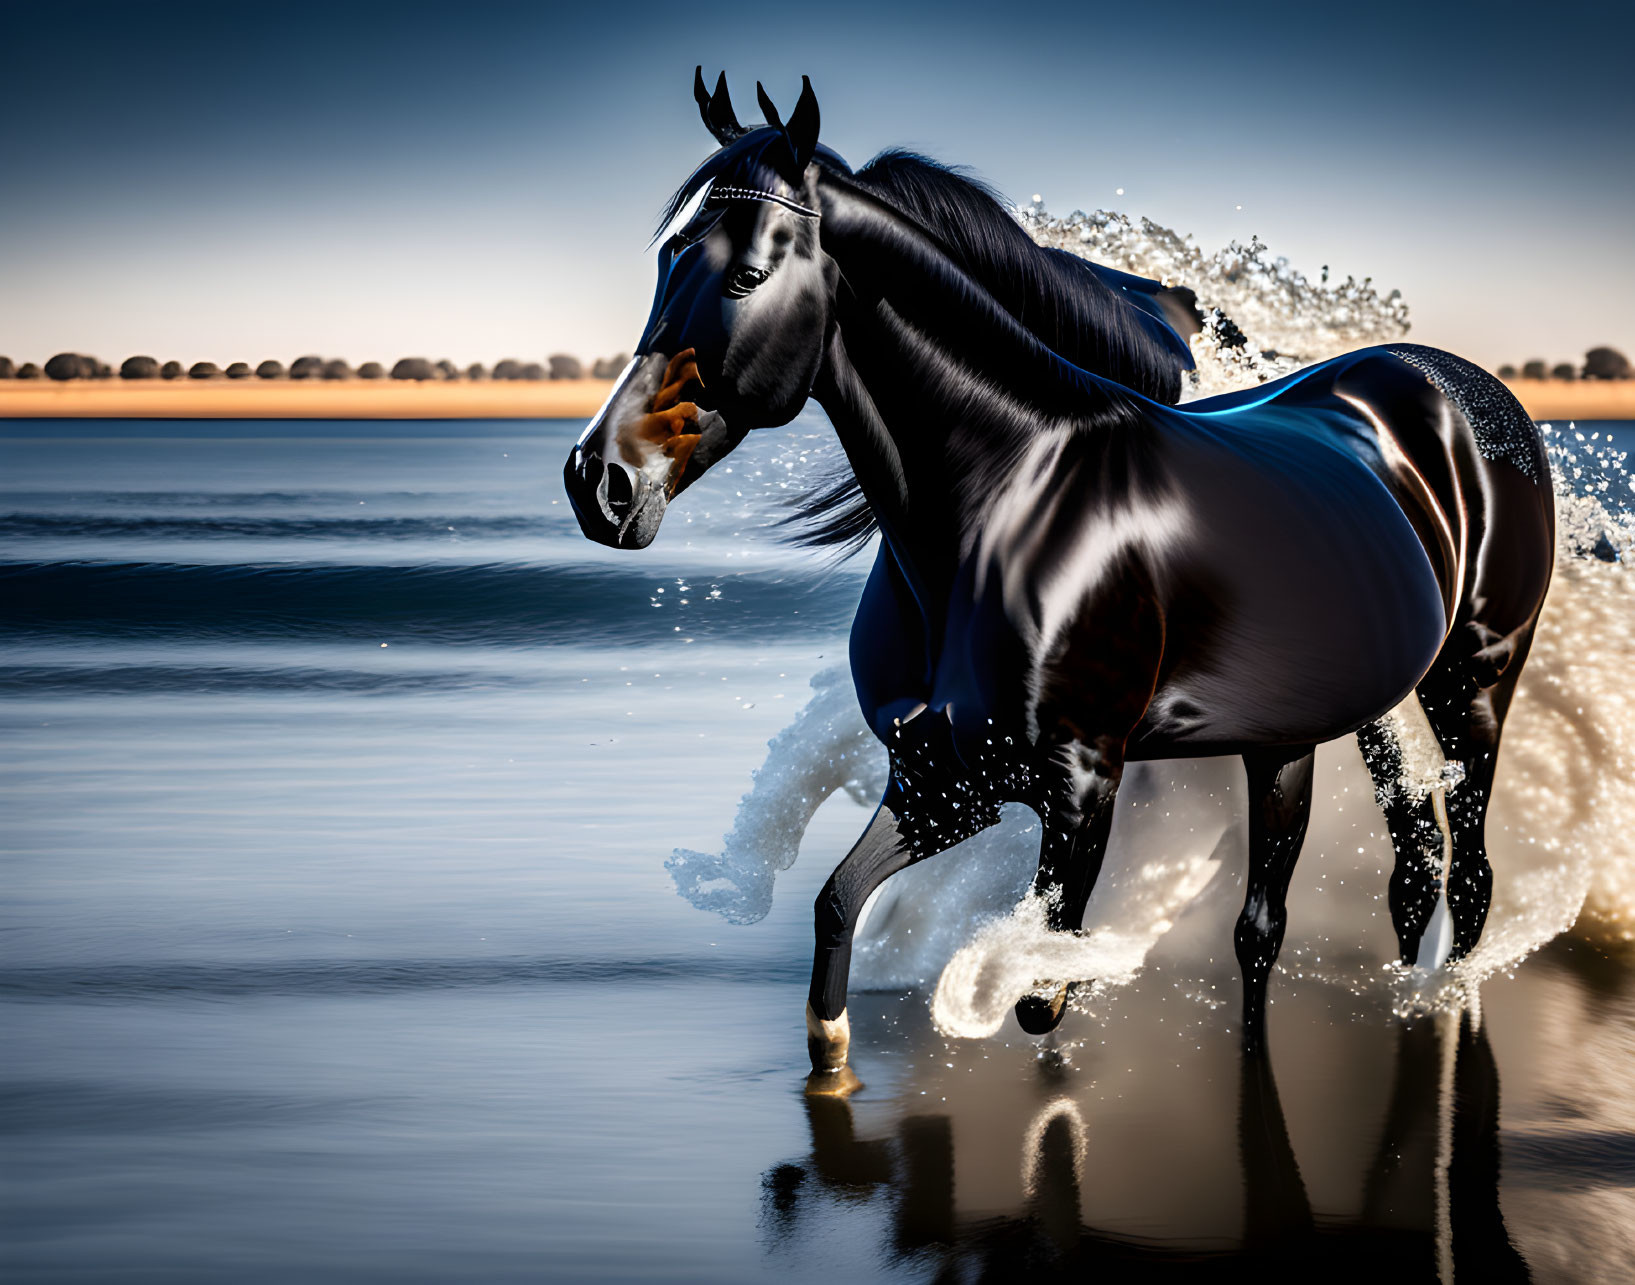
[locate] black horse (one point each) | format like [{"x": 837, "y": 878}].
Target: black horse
[{"x": 1074, "y": 572}]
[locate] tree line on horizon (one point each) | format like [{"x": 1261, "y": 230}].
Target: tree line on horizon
[
  {"x": 67, "y": 366},
  {"x": 1599, "y": 363}
]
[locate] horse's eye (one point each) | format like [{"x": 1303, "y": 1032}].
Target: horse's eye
[{"x": 741, "y": 280}]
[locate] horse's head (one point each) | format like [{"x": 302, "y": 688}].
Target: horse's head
[{"x": 739, "y": 326}]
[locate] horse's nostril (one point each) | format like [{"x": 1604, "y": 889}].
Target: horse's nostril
[{"x": 619, "y": 491}]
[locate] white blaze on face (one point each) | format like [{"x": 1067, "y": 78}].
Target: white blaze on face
[{"x": 600, "y": 415}]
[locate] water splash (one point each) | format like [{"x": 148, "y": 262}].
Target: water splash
[
  {"x": 1595, "y": 494},
  {"x": 1263, "y": 318},
  {"x": 1561, "y": 827},
  {"x": 1567, "y": 773},
  {"x": 1011, "y": 956},
  {"x": 826, "y": 748}
]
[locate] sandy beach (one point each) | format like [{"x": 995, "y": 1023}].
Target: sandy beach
[
  {"x": 300, "y": 399},
  {"x": 550, "y": 399},
  {"x": 1590, "y": 399}
]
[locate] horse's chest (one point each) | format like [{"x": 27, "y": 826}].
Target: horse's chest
[{"x": 960, "y": 658}]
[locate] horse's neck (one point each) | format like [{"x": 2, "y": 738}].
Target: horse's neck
[
  {"x": 935, "y": 390},
  {"x": 889, "y": 394}
]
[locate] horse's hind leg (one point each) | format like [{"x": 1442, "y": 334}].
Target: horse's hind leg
[
  {"x": 1468, "y": 719},
  {"x": 1279, "y": 808},
  {"x": 1391, "y": 750}
]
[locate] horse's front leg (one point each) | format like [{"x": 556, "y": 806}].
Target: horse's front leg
[
  {"x": 900, "y": 834},
  {"x": 1076, "y": 817},
  {"x": 1093, "y": 689}
]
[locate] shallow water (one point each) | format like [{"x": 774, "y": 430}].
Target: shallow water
[{"x": 339, "y": 780}]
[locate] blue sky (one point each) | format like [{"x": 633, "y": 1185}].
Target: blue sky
[{"x": 231, "y": 182}]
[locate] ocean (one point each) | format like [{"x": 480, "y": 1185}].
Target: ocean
[{"x": 399, "y": 887}]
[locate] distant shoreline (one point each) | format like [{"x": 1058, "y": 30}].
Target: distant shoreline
[
  {"x": 546, "y": 399},
  {"x": 301, "y": 399},
  {"x": 1582, "y": 399}
]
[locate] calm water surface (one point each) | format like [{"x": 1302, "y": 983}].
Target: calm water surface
[{"x": 336, "y": 939}]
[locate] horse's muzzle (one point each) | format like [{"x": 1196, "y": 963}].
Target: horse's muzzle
[
  {"x": 614, "y": 491},
  {"x": 616, "y": 505},
  {"x": 646, "y": 445}
]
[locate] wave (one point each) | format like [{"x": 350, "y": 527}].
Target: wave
[
  {"x": 137, "y": 980},
  {"x": 229, "y": 680},
  {"x": 342, "y": 499},
  {"x": 100, "y": 526},
  {"x": 511, "y": 604}
]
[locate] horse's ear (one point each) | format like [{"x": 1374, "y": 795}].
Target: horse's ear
[
  {"x": 802, "y": 129},
  {"x": 800, "y": 134},
  {"x": 767, "y": 109},
  {"x": 716, "y": 109},
  {"x": 727, "y": 127}
]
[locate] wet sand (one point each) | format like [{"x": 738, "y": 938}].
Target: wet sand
[
  {"x": 1153, "y": 1150},
  {"x": 399, "y": 399}
]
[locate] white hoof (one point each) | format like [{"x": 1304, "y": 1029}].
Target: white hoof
[
  {"x": 1437, "y": 942},
  {"x": 827, "y": 1042},
  {"x": 833, "y": 1084}
]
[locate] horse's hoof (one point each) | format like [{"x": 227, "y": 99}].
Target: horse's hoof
[
  {"x": 827, "y": 1042},
  {"x": 1040, "y": 1014},
  {"x": 833, "y": 1084}
]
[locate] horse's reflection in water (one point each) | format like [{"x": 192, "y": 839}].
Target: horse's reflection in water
[{"x": 1429, "y": 1209}]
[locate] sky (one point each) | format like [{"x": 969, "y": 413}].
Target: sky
[{"x": 232, "y": 182}]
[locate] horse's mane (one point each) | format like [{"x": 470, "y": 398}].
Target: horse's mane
[{"x": 1056, "y": 296}]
